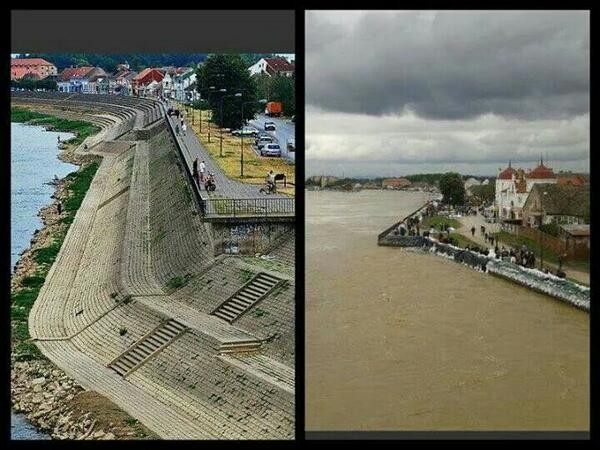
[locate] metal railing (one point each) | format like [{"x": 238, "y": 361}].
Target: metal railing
[{"x": 248, "y": 207}]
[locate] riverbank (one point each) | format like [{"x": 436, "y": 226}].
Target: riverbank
[{"x": 51, "y": 400}]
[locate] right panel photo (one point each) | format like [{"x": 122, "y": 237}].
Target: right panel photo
[{"x": 447, "y": 221}]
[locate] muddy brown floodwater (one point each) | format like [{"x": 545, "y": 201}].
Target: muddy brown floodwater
[{"x": 399, "y": 340}]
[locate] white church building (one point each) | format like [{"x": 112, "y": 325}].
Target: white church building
[{"x": 513, "y": 187}]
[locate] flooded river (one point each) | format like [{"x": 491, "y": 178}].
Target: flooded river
[{"x": 400, "y": 340}]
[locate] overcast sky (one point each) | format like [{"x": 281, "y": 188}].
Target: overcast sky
[{"x": 393, "y": 93}]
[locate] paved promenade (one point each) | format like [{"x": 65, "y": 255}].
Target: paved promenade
[{"x": 226, "y": 187}]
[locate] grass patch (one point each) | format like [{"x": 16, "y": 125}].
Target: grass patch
[
  {"x": 259, "y": 312},
  {"x": 47, "y": 255},
  {"x": 270, "y": 264},
  {"x": 33, "y": 281},
  {"x": 247, "y": 275},
  {"x": 438, "y": 221},
  {"x": 80, "y": 128},
  {"x": 463, "y": 241},
  {"x": 178, "y": 281},
  {"x": 78, "y": 185}
]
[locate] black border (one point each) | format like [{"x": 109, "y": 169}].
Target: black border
[
  {"x": 152, "y": 31},
  {"x": 158, "y": 42}
]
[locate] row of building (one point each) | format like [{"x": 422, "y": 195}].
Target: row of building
[
  {"x": 177, "y": 83},
  {"x": 540, "y": 196},
  {"x": 529, "y": 199}
]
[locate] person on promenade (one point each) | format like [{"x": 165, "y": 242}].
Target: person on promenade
[
  {"x": 59, "y": 208},
  {"x": 473, "y": 230},
  {"x": 183, "y": 128},
  {"x": 271, "y": 180},
  {"x": 177, "y": 130},
  {"x": 202, "y": 169}
]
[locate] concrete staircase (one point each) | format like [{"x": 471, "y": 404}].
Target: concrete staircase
[
  {"x": 248, "y": 296},
  {"x": 146, "y": 347}
]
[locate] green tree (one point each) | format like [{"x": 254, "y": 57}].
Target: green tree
[
  {"x": 227, "y": 71},
  {"x": 284, "y": 91},
  {"x": 452, "y": 188},
  {"x": 484, "y": 192}
]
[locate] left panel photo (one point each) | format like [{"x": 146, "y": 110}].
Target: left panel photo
[{"x": 152, "y": 246}]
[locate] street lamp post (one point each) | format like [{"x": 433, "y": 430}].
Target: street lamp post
[
  {"x": 209, "y": 90},
  {"x": 242, "y": 135},
  {"x": 221, "y": 124},
  {"x": 221, "y": 121}
]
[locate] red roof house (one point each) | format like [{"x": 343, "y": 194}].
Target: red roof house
[{"x": 19, "y": 67}]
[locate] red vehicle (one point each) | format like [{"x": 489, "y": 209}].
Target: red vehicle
[{"x": 273, "y": 109}]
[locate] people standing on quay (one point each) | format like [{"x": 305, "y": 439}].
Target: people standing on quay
[
  {"x": 183, "y": 128},
  {"x": 202, "y": 169},
  {"x": 473, "y": 231},
  {"x": 177, "y": 130}
]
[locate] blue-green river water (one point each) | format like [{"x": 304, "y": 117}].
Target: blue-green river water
[{"x": 34, "y": 162}]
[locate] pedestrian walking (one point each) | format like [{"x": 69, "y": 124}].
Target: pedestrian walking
[
  {"x": 183, "y": 128},
  {"x": 59, "y": 208},
  {"x": 202, "y": 168},
  {"x": 177, "y": 130},
  {"x": 473, "y": 230}
]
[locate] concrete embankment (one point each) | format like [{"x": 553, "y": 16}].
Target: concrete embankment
[
  {"x": 44, "y": 395},
  {"x": 128, "y": 307}
]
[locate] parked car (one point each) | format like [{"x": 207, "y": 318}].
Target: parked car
[
  {"x": 245, "y": 131},
  {"x": 270, "y": 150},
  {"x": 291, "y": 145},
  {"x": 264, "y": 140},
  {"x": 269, "y": 126}
]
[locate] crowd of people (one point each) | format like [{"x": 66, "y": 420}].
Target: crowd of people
[{"x": 523, "y": 257}]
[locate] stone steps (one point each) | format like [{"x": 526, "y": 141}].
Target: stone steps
[
  {"x": 146, "y": 347},
  {"x": 245, "y": 298}
]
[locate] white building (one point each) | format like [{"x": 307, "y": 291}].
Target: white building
[
  {"x": 181, "y": 84},
  {"x": 470, "y": 183},
  {"x": 513, "y": 188},
  {"x": 272, "y": 67}
]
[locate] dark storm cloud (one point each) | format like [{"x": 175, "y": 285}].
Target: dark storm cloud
[{"x": 450, "y": 65}]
